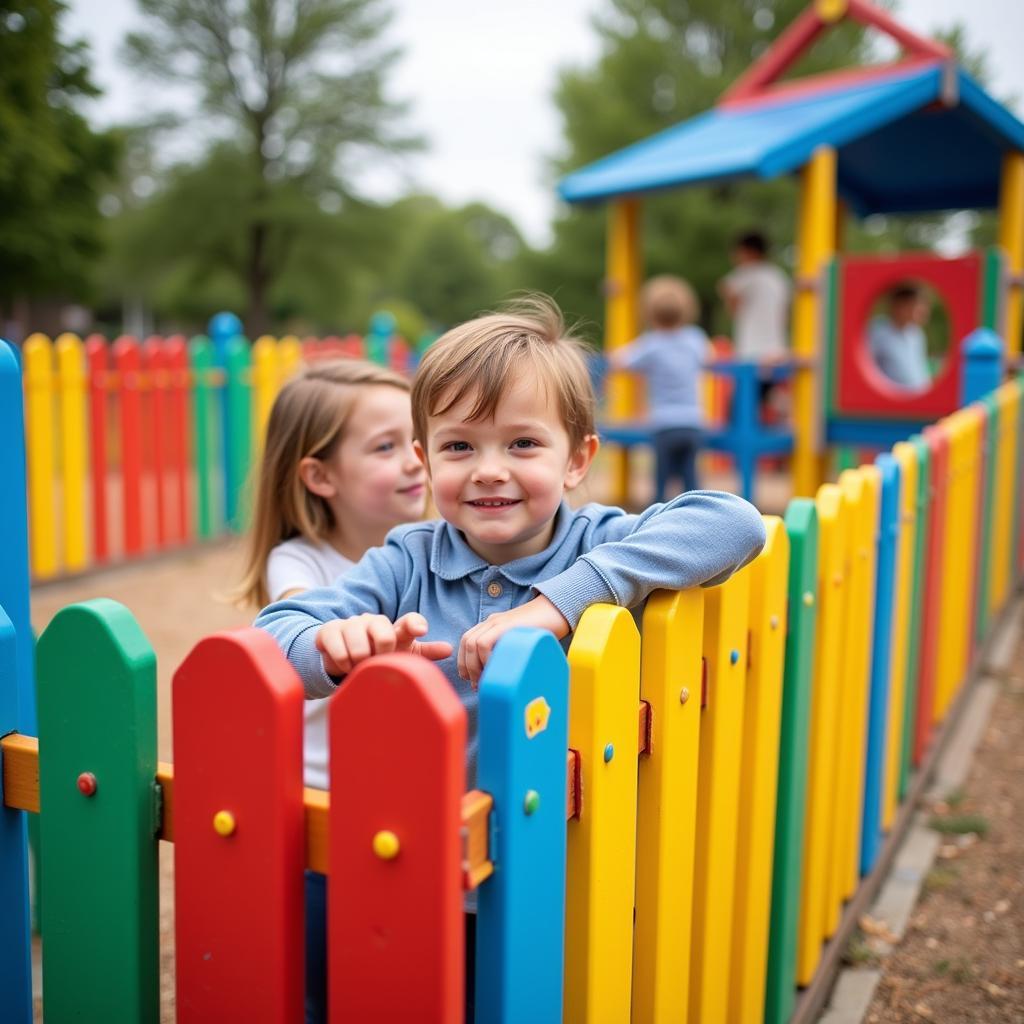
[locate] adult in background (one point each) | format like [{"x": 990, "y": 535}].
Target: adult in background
[
  {"x": 669, "y": 355},
  {"x": 897, "y": 340}
]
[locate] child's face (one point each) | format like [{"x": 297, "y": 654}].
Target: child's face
[
  {"x": 500, "y": 481},
  {"x": 377, "y": 480}
]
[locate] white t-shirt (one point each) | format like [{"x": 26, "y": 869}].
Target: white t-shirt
[
  {"x": 762, "y": 301},
  {"x": 297, "y": 564}
]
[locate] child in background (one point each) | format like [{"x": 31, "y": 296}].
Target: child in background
[
  {"x": 338, "y": 472},
  {"x": 669, "y": 357},
  {"x": 503, "y": 415}
]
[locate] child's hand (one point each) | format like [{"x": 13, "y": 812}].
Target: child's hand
[
  {"x": 344, "y": 643},
  {"x": 478, "y": 642}
]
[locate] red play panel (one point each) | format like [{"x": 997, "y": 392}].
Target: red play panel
[{"x": 862, "y": 387}]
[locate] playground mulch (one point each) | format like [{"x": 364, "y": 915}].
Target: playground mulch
[{"x": 962, "y": 957}]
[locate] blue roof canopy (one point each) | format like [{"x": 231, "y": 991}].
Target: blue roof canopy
[{"x": 899, "y": 148}]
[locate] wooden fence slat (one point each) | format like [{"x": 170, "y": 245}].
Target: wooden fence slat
[
  {"x": 156, "y": 433},
  {"x": 726, "y": 610},
  {"x": 71, "y": 384},
  {"x": 1018, "y": 499},
  {"x": 265, "y": 385},
  {"x": 289, "y": 357},
  {"x": 128, "y": 364},
  {"x": 982, "y": 604},
  {"x": 395, "y": 934},
  {"x": 604, "y": 692},
  {"x": 802, "y": 529},
  {"x": 827, "y": 681},
  {"x": 37, "y": 354},
  {"x": 524, "y": 733},
  {"x": 238, "y": 437},
  {"x": 1006, "y": 461},
  {"x": 176, "y": 355},
  {"x": 670, "y": 682},
  {"x": 881, "y": 661},
  {"x": 759, "y": 775},
  {"x": 97, "y": 734},
  {"x": 97, "y": 355},
  {"x": 205, "y": 443},
  {"x": 238, "y": 832}
]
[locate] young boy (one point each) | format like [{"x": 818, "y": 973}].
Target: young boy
[
  {"x": 503, "y": 414},
  {"x": 669, "y": 355}
]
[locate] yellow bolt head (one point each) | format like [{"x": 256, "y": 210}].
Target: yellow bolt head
[
  {"x": 830, "y": 10},
  {"x": 385, "y": 845},
  {"x": 224, "y": 823}
]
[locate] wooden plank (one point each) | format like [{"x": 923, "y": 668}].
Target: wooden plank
[
  {"x": 97, "y": 723},
  {"x": 238, "y": 855},
  {"x": 395, "y": 934},
  {"x": 670, "y": 682},
  {"x": 604, "y": 665},
  {"x": 524, "y": 728}
]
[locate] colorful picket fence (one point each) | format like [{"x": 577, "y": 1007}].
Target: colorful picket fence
[
  {"x": 135, "y": 448},
  {"x": 668, "y": 824}
]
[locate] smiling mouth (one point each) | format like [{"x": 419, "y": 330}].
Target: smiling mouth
[{"x": 493, "y": 502}]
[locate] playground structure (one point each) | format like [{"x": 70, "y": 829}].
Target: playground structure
[
  {"x": 911, "y": 136},
  {"x": 720, "y": 771},
  {"x": 688, "y": 830}
]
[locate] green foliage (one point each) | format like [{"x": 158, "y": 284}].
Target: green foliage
[{"x": 52, "y": 164}]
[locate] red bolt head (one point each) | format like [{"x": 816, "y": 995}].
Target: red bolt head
[{"x": 87, "y": 783}]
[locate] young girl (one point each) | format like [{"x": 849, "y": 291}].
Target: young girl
[
  {"x": 669, "y": 356},
  {"x": 338, "y": 472}
]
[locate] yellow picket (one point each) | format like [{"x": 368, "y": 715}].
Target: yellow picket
[
  {"x": 969, "y": 541},
  {"x": 604, "y": 665},
  {"x": 73, "y": 432},
  {"x": 289, "y": 357},
  {"x": 906, "y": 455},
  {"x": 755, "y": 844},
  {"x": 37, "y": 358},
  {"x": 827, "y": 680},
  {"x": 1008, "y": 398},
  {"x": 670, "y": 682},
  {"x": 265, "y": 384},
  {"x": 718, "y": 788},
  {"x": 857, "y": 645}
]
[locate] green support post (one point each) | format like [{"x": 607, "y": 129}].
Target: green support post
[{"x": 97, "y": 741}]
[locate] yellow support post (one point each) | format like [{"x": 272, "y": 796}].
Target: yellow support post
[
  {"x": 73, "y": 433},
  {"x": 623, "y": 270},
  {"x": 816, "y": 244},
  {"x": 266, "y": 381},
  {"x": 1008, "y": 399},
  {"x": 726, "y": 608},
  {"x": 604, "y": 666},
  {"x": 825, "y": 693},
  {"x": 37, "y": 357},
  {"x": 755, "y": 844},
  {"x": 1011, "y": 240},
  {"x": 670, "y": 682},
  {"x": 906, "y": 455}
]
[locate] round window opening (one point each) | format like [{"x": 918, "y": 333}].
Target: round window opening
[{"x": 908, "y": 335}]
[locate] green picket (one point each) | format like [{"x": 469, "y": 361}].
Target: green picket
[
  {"x": 97, "y": 721},
  {"x": 802, "y": 527},
  {"x": 916, "y": 603},
  {"x": 238, "y": 457},
  {"x": 981, "y": 590},
  {"x": 204, "y": 436}
]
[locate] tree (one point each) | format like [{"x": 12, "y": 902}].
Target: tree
[
  {"x": 291, "y": 94},
  {"x": 52, "y": 164}
]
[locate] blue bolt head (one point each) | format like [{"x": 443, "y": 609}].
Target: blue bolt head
[
  {"x": 734, "y": 656},
  {"x": 609, "y": 753}
]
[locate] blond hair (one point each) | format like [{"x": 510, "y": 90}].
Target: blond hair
[
  {"x": 669, "y": 301},
  {"x": 308, "y": 419},
  {"x": 485, "y": 356}
]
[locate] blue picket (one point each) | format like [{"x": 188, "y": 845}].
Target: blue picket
[
  {"x": 524, "y": 730},
  {"x": 881, "y": 658}
]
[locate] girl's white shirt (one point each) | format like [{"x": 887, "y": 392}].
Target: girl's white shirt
[{"x": 299, "y": 564}]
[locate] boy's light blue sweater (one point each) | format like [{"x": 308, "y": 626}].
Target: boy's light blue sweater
[{"x": 597, "y": 554}]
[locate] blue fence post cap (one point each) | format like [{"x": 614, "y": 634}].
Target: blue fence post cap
[{"x": 983, "y": 343}]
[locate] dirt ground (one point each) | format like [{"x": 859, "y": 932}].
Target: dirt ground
[{"x": 961, "y": 960}]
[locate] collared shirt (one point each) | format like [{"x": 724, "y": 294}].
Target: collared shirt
[
  {"x": 901, "y": 353},
  {"x": 670, "y": 361},
  {"x": 597, "y": 554}
]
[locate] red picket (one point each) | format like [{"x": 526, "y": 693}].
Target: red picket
[
  {"x": 128, "y": 366},
  {"x": 239, "y": 846},
  {"x": 395, "y": 934},
  {"x": 98, "y": 369},
  {"x": 938, "y": 442},
  {"x": 176, "y": 357},
  {"x": 352, "y": 345},
  {"x": 156, "y": 430}
]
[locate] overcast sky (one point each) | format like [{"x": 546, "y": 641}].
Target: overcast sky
[{"x": 481, "y": 75}]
